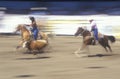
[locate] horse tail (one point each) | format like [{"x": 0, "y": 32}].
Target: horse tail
[{"x": 111, "y": 38}]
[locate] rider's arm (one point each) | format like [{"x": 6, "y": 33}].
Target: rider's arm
[{"x": 27, "y": 24}]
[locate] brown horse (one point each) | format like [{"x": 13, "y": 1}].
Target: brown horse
[
  {"x": 89, "y": 40},
  {"x": 26, "y": 35}
]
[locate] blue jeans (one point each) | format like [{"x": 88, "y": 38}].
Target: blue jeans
[
  {"x": 95, "y": 34},
  {"x": 35, "y": 33}
]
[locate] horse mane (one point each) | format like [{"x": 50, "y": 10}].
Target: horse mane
[{"x": 85, "y": 31}]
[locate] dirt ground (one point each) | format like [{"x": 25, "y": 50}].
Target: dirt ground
[{"x": 59, "y": 62}]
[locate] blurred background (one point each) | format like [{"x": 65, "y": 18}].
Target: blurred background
[{"x": 62, "y": 17}]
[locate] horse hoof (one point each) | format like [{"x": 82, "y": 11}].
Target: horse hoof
[{"x": 77, "y": 55}]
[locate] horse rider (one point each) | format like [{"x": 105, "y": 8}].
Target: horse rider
[
  {"x": 34, "y": 28},
  {"x": 94, "y": 30}
]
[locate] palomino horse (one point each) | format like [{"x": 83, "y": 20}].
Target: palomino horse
[
  {"x": 27, "y": 35},
  {"x": 89, "y": 40}
]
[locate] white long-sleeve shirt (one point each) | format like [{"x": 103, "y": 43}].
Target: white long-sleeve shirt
[{"x": 93, "y": 25}]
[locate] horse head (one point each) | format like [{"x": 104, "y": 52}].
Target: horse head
[
  {"x": 20, "y": 27},
  {"x": 79, "y": 31}
]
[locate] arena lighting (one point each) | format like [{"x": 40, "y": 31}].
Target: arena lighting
[
  {"x": 3, "y": 8},
  {"x": 38, "y": 8}
]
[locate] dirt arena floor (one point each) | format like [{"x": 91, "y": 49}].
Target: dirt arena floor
[{"x": 59, "y": 62}]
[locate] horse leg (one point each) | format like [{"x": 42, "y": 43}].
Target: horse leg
[
  {"x": 106, "y": 49},
  {"x": 104, "y": 46},
  {"x": 83, "y": 47},
  {"x": 80, "y": 51},
  {"x": 20, "y": 44},
  {"x": 109, "y": 47},
  {"x": 77, "y": 51},
  {"x": 103, "y": 43}
]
